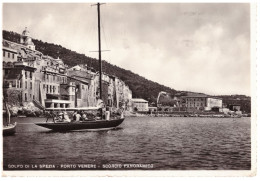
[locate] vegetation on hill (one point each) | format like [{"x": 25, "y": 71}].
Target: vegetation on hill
[{"x": 242, "y": 100}]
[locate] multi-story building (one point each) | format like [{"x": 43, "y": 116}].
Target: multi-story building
[
  {"x": 18, "y": 71},
  {"x": 202, "y": 103},
  {"x": 49, "y": 82},
  {"x": 84, "y": 81},
  {"x": 139, "y": 105},
  {"x": 37, "y": 76}
]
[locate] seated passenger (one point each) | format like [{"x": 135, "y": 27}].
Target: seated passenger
[
  {"x": 78, "y": 116},
  {"x": 84, "y": 117},
  {"x": 59, "y": 117},
  {"x": 66, "y": 117},
  {"x": 74, "y": 115}
]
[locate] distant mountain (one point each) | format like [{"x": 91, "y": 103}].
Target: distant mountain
[{"x": 140, "y": 86}]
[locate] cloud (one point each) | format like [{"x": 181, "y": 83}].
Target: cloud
[{"x": 194, "y": 47}]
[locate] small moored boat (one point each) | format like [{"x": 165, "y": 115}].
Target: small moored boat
[{"x": 8, "y": 128}]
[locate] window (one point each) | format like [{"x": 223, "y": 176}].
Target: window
[
  {"x": 3, "y": 53},
  {"x": 25, "y": 73},
  {"x": 8, "y": 55},
  {"x": 31, "y": 85},
  {"x": 25, "y": 85},
  {"x": 31, "y": 74},
  {"x": 58, "y": 89},
  {"x": 47, "y": 87},
  {"x": 25, "y": 96},
  {"x": 13, "y": 56},
  {"x": 43, "y": 86},
  {"x": 82, "y": 86},
  {"x": 30, "y": 95}
]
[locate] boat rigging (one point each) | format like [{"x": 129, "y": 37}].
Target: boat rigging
[{"x": 89, "y": 124}]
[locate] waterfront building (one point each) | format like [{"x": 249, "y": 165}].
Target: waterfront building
[
  {"x": 84, "y": 87},
  {"x": 202, "y": 103},
  {"x": 234, "y": 107},
  {"x": 38, "y": 76},
  {"x": 48, "y": 82},
  {"x": 152, "y": 109},
  {"x": 139, "y": 104},
  {"x": 18, "y": 71}
]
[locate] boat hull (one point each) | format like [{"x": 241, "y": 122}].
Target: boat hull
[
  {"x": 89, "y": 125},
  {"x": 9, "y": 130}
]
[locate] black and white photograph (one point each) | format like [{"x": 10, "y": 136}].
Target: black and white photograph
[{"x": 131, "y": 87}]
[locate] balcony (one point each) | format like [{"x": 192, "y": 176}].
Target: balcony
[{"x": 26, "y": 64}]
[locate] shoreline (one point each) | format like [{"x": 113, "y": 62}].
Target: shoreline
[{"x": 30, "y": 110}]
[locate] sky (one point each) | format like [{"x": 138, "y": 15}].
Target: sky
[{"x": 190, "y": 47}]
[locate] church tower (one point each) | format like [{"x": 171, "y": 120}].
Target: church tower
[{"x": 26, "y": 40}]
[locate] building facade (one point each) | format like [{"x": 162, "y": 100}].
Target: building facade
[
  {"x": 48, "y": 81},
  {"x": 139, "y": 105},
  {"x": 202, "y": 103}
]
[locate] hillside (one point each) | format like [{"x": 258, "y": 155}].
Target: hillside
[{"x": 140, "y": 86}]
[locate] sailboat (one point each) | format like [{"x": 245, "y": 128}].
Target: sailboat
[
  {"x": 94, "y": 124},
  {"x": 9, "y": 128}
]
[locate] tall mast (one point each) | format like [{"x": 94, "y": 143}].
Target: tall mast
[{"x": 99, "y": 52}]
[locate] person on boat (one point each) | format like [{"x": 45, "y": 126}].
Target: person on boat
[
  {"x": 120, "y": 112},
  {"x": 107, "y": 114},
  {"x": 60, "y": 117},
  {"x": 50, "y": 115},
  {"x": 66, "y": 117},
  {"x": 84, "y": 117},
  {"x": 78, "y": 116},
  {"x": 74, "y": 115},
  {"x": 99, "y": 114}
]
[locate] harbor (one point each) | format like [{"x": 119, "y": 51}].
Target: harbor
[
  {"x": 185, "y": 143},
  {"x": 127, "y": 86}
]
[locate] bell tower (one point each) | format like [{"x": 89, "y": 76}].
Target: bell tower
[{"x": 26, "y": 40}]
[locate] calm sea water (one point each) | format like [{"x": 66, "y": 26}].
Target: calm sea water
[{"x": 166, "y": 143}]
